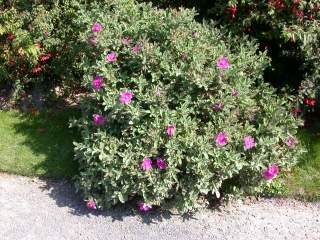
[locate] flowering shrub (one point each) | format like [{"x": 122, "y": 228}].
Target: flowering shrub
[{"x": 176, "y": 109}]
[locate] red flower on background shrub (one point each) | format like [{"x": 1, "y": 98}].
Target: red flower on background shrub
[
  {"x": 247, "y": 29},
  {"x": 311, "y": 102},
  {"x": 37, "y": 69},
  {"x": 264, "y": 45},
  {"x": 55, "y": 53},
  {"x": 296, "y": 11},
  {"x": 278, "y": 4},
  {"x": 296, "y": 111},
  {"x": 11, "y": 62},
  {"x": 10, "y": 36},
  {"x": 45, "y": 57},
  {"x": 233, "y": 10},
  {"x": 311, "y": 17}
]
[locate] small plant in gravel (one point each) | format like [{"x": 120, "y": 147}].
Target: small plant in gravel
[{"x": 176, "y": 110}]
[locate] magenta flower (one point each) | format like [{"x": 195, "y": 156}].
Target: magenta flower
[
  {"x": 221, "y": 139},
  {"x": 146, "y": 164},
  {"x": 97, "y": 82},
  {"x": 111, "y": 57},
  {"x": 291, "y": 142},
  {"x": 221, "y": 75},
  {"x": 97, "y": 27},
  {"x": 234, "y": 93},
  {"x": 93, "y": 40},
  {"x": 98, "y": 119},
  {"x": 184, "y": 56},
  {"x": 126, "y": 97},
  {"x": 195, "y": 34},
  {"x": 271, "y": 172},
  {"x": 136, "y": 48},
  {"x": 248, "y": 142},
  {"x": 143, "y": 207},
  {"x": 161, "y": 164},
  {"x": 217, "y": 106},
  {"x": 91, "y": 204},
  {"x": 223, "y": 63},
  {"x": 126, "y": 40},
  {"x": 158, "y": 92},
  {"x": 170, "y": 129}
]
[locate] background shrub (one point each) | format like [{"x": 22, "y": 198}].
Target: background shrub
[
  {"x": 289, "y": 30},
  {"x": 40, "y": 46},
  {"x": 176, "y": 110}
]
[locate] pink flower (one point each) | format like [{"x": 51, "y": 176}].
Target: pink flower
[
  {"x": 221, "y": 139},
  {"x": 136, "y": 48},
  {"x": 93, "y": 40},
  {"x": 271, "y": 172},
  {"x": 161, "y": 164},
  {"x": 195, "y": 34},
  {"x": 184, "y": 56},
  {"x": 223, "y": 63},
  {"x": 98, "y": 119},
  {"x": 126, "y": 97},
  {"x": 97, "y": 82},
  {"x": 291, "y": 142},
  {"x": 45, "y": 57},
  {"x": 96, "y": 27},
  {"x": 111, "y": 57},
  {"x": 170, "y": 129},
  {"x": 158, "y": 92},
  {"x": 234, "y": 93},
  {"x": 143, "y": 207},
  {"x": 37, "y": 69},
  {"x": 126, "y": 40},
  {"x": 248, "y": 142},
  {"x": 296, "y": 111},
  {"x": 91, "y": 204},
  {"x": 146, "y": 164},
  {"x": 217, "y": 106},
  {"x": 10, "y": 36}
]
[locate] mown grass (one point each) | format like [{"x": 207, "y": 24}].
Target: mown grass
[
  {"x": 40, "y": 145},
  {"x": 304, "y": 181}
]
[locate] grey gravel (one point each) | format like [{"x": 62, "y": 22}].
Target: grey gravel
[{"x": 41, "y": 209}]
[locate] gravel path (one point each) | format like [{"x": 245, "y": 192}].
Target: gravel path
[{"x": 41, "y": 210}]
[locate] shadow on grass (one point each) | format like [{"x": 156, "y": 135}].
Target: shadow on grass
[{"x": 50, "y": 140}]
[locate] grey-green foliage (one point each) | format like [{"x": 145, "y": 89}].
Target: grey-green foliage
[{"x": 110, "y": 155}]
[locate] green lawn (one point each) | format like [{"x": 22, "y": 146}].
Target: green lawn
[
  {"x": 304, "y": 181},
  {"x": 37, "y": 146}
]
